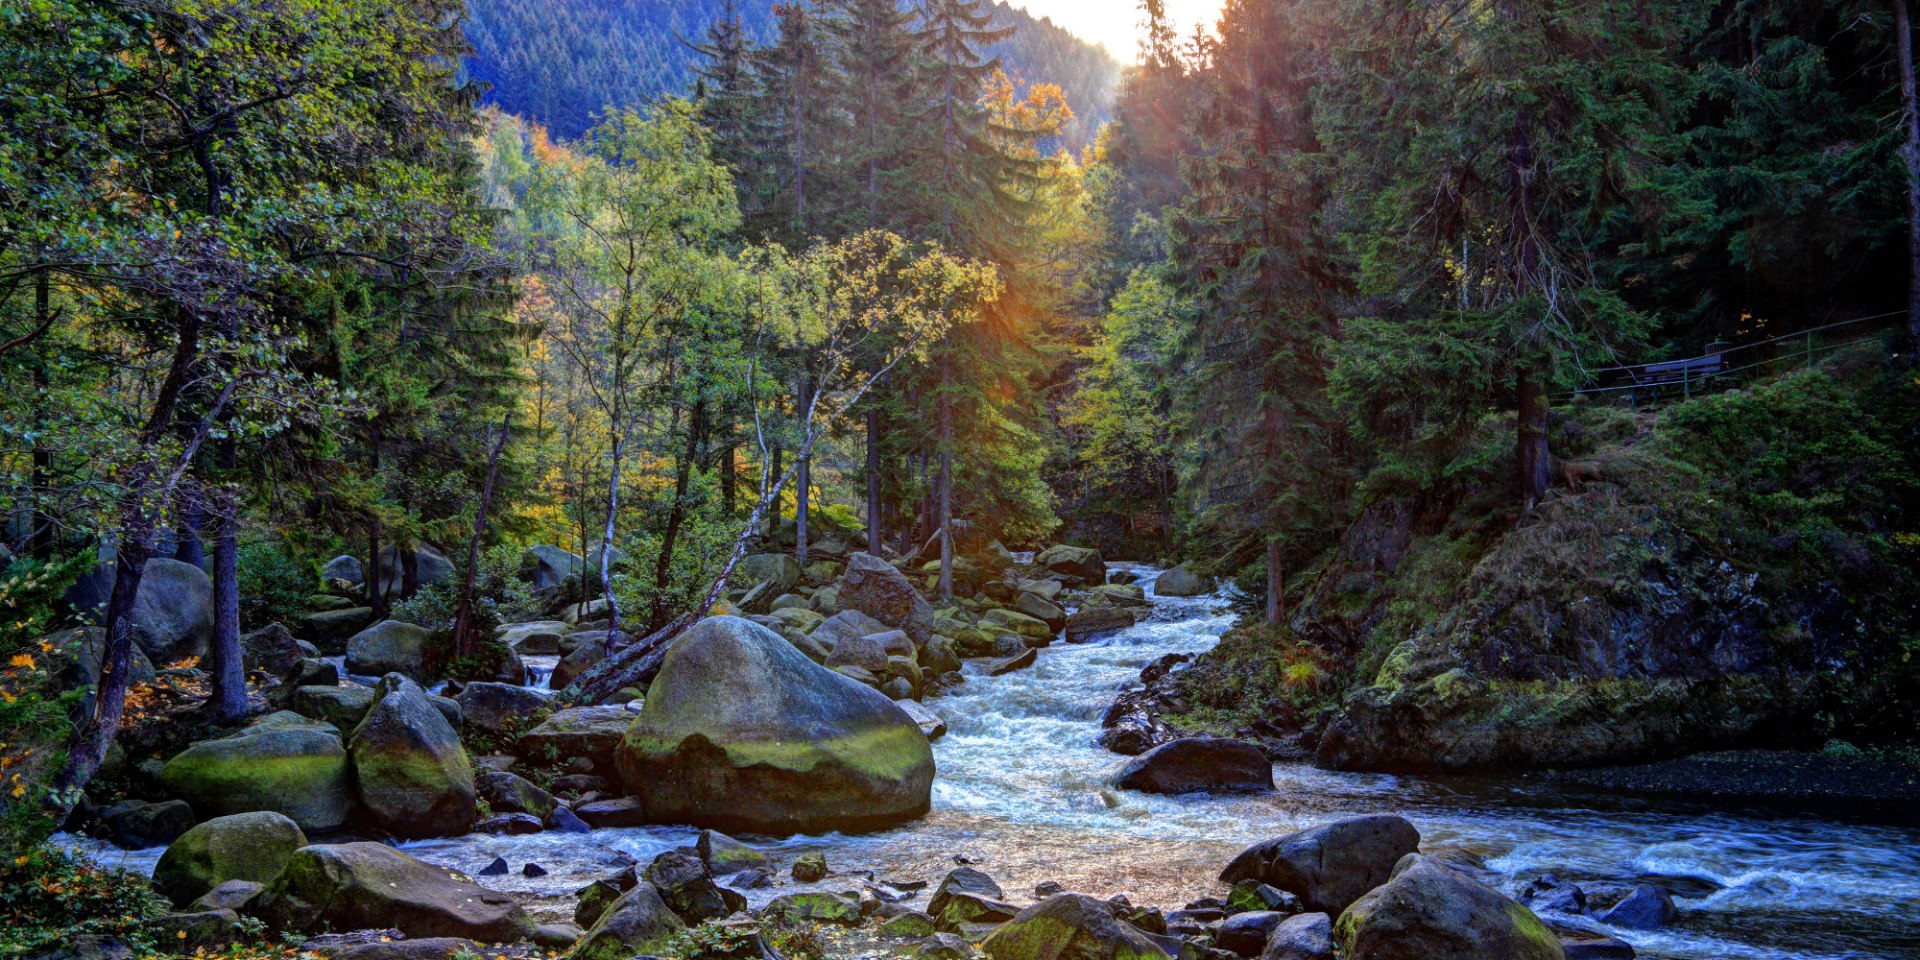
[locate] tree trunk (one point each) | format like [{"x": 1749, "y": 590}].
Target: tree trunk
[
  {"x": 187, "y": 545},
  {"x": 409, "y": 569},
  {"x": 1276, "y": 584},
  {"x": 41, "y": 538},
  {"x": 1531, "y": 454},
  {"x": 376, "y": 597},
  {"x": 676, "y": 516},
  {"x": 1910, "y": 153},
  {"x": 803, "y": 487},
  {"x": 226, "y": 674},
  {"x": 946, "y": 486},
  {"x": 606, "y": 545},
  {"x": 729, "y": 480},
  {"x": 773, "y": 513},
  {"x": 875, "y": 523},
  {"x": 466, "y": 643}
]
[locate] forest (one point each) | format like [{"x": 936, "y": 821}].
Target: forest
[{"x": 459, "y": 458}]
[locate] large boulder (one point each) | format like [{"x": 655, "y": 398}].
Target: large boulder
[
  {"x": 413, "y": 774},
  {"x": 547, "y": 568},
  {"x": 1305, "y": 936},
  {"x": 298, "y": 769},
  {"x": 329, "y": 630},
  {"x": 274, "y": 649},
  {"x": 637, "y": 924},
  {"x": 430, "y": 566},
  {"x": 510, "y": 793},
  {"x": 846, "y": 624},
  {"x": 1179, "y": 582},
  {"x": 593, "y": 733},
  {"x": 874, "y": 587},
  {"x": 684, "y": 882},
  {"x": 1330, "y": 866},
  {"x": 498, "y": 708},
  {"x": 538, "y": 637},
  {"x": 344, "y": 572},
  {"x": 1198, "y": 765},
  {"x": 1070, "y": 926},
  {"x": 741, "y": 731},
  {"x": 780, "y": 572},
  {"x": 390, "y": 646},
  {"x": 1088, "y": 622},
  {"x": 1016, "y": 623},
  {"x": 1083, "y": 562},
  {"x": 1430, "y": 912},
  {"x": 1045, "y": 611},
  {"x": 343, "y": 707},
  {"x": 356, "y": 886},
  {"x": 139, "y": 825},
  {"x": 245, "y": 846},
  {"x": 591, "y": 649},
  {"x": 173, "y": 610}
]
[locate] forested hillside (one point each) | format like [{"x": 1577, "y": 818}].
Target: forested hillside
[{"x": 560, "y": 63}]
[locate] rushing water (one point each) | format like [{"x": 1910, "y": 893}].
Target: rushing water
[{"x": 1021, "y": 794}]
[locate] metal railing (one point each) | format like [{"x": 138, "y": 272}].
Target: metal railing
[{"x": 1655, "y": 383}]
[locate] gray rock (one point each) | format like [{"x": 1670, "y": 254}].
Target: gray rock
[
  {"x": 879, "y": 590},
  {"x": 1196, "y": 765},
  {"x": 389, "y": 647},
  {"x": 589, "y": 733},
  {"x": 299, "y": 771},
  {"x": 1647, "y": 908},
  {"x": 1307, "y": 936},
  {"x": 1430, "y": 912},
  {"x": 274, "y": 649},
  {"x": 1083, "y": 562},
  {"x": 636, "y": 924},
  {"x": 686, "y": 885},
  {"x": 137, "y": 825},
  {"x": 1070, "y": 926},
  {"x": 344, "y": 570},
  {"x": 352, "y": 886},
  {"x": 412, "y": 772},
  {"x": 247, "y": 847},
  {"x": 173, "y": 610},
  {"x": 1331, "y": 866},
  {"x": 1179, "y": 582},
  {"x": 509, "y": 793},
  {"x": 500, "y": 708},
  {"x": 1246, "y": 933}
]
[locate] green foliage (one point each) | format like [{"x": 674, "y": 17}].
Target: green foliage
[
  {"x": 274, "y": 587},
  {"x": 1258, "y": 673},
  {"x": 500, "y": 596},
  {"x": 48, "y": 897},
  {"x": 33, "y": 708}
]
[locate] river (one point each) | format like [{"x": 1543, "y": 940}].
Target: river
[{"x": 1020, "y": 794}]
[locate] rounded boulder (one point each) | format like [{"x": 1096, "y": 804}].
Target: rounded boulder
[
  {"x": 742, "y": 732},
  {"x": 245, "y": 846}
]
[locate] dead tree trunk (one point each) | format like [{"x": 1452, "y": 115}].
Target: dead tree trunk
[{"x": 465, "y": 642}]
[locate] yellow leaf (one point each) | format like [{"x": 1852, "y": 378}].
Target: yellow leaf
[{"x": 21, "y": 661}]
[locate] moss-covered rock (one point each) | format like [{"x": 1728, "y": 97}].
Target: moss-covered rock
[
  {"x": 589, "y": 733},
  {"x": 796, "y": 908},
  {"x": 1069, "y": 926},
  {"x": 742, "y": 732},
  {"x": 1430, "y": 912},
  {"x": 412, "y": 773},
  {"x": 1082, "y": 562},
  {"x": 1329, "y": 866},
  {"x": 637, "y": 924},
  {"x": 299, "y": 770},
  {"x": 1017, "y": 623},
  {"x": 343, "y": 707},
  {"x": 356, "y": 886},
  {"x": 390, "y": 646},
  {"x": 244, "y": 846},
  {"x": 726, "y": 856}
]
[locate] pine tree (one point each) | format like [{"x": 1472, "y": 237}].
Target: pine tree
[{"x": 798, "y": 127}]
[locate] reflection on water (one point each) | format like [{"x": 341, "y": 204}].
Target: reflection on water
[{"x": 1021, "y": 794}]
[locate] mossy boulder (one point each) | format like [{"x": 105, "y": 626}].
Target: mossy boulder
[
  {"x": 390, "y": 646},
  {"x": 1017, "y": 623},
  {"x": 845, "y": 625},
  {"x": 1179, "y": 582},
  {"x": 797, "y": 908},
  {"x": 510, "y": 793},
  {"x": 879, "y": 590},
  {"x": 343, "y": 707},
  {"x": 328, "y": 630},
  {"x": 244, "y": 846},
  {"x": 294, "y": 767},
  {"x": 589, "y": 733},
  {"x": 413, "y": 774},
  {"x": 741, "y": 731},
  {"x": 1430, "y": 912},
  {"x": 1045, "y": 611},
  {"x": 726, "y": 856},
  {"x": 498, "y": 708},
  {"x": 781, "y": 572},
  {"x": 639, "y": 923},
  {"x": 1070, "y": 926},
  {"x": 1082, "y": 562},
  {"x": 173, "y": 610},
  {"x": 356, "y": 886}
]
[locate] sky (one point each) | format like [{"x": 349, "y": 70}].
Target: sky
[{"x": 1116, "y": 23}]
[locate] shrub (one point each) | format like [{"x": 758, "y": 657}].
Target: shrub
[
  {"x": 33, "y": 714},
  {"x": 274, "y": 587},
  {"x": 48, "y": 896}
]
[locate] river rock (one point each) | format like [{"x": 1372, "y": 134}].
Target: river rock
[
  {"x": 777, "y": 571},
  {"x": 537, "y": 637},
  {"x": 1246, "y": 933},
  {"x": 249, "y": 847},
  {"x": 687, "y": 887},
  {"x": 639, "y": 923},
  {"x": 343, "y": 573},
  {"x": 1083, "y": 562},
  {"x": 341, "y": 707},
  {"x": 742, "y": 732},
  {"x": 1198, "y": 765},
  {"x": 591, "y": 649},
  {"x": 509, "y": 793},
  {"x": 298, "y": 770},
  {"x": 173, "y": 610},
  {"x": 354, "y": 886},
  {"x": 1647, "y": 908},
  {"x": 1306, "y": 936},
  {"x": 1019, "y": 661},
  {"x": 943, "y": 946},
  {"x": 1017, "y": 623},
  {"x": 328, "y": 630},
  {"x": 1087, "y": 623},
  {"x": 1070, "y": 926},
  {"x": 930, "y": 723},
  {"x": 1331, "y": 866},
  {"x": 589, "y": 733},
  {"x": 546, "y": 569},
  {"x": 430, "y": 566},
  {"x": 230, "y": 894},
  {"x": 137, "y": 825},
  {"x": 959, "y": 881},
  {"x": 1179, "y": 582},
  {"x": 1045, "y": 611},
  {"x": 726, "y": 856},
  {"x": 1430, "y": 912},
  {"x": 500, "y": 708},
  {"x": 274, "y": 649},
  {"x": 879, "y": 590},
  {"x": 390, "y": 646},
  {"x": 846, "y": 624},
  {"x": 413, "y": 774}
]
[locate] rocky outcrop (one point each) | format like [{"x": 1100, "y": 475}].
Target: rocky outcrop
[
  {"x": 1331, "y": 866},
  {"x": 1198, "y": 764},
  {"x": 293, "y": 767},
  {"x": 356, "y": 886},
  {"x": 874, "y": 587},
  {"x": 245, "y": 846},
  {"x": 1084, "y": 563},
  {"x": 741, "y": 731},
  {"x": 1430, "y": 912},
  {"x": 412, "y": 773},
  {"x": 498, "y": 708},
  {"x": 1070, "y": 927},
  {"x": 430, "y": 566},
  {"x": 550, "y": 571},
  {"x": 274, "y": 649}
]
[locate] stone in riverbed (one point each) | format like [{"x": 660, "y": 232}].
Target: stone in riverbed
[
  {"x": 1083, "y": 562},
  {"x": 510, "y": 824},
  {"x": 1070, "y": 927},
  {"x": 742, "y": 732},
  {"x": 1431, "y": 912},
  {"x": 637, "y": 924},
  {"x": 1331, "y": 866},
  {"x": 879, "y": 590},
  {"x": 614, "y": 813},
  {"x": 810, "y": 868},
  {"x": 299, "y": 770},
  {"x": 1307, "y": 936},
  {"x": 500, "y": 707},
  {"x": 1019, "y": 661},
  {"x": 1198, "y": 764},
  {"x": 243, "y": 846},
  {"x": 137, "y": 825},
  {"x": 231, "y": 895},
  {"x": 795, "y": 908},
  {"x": 511, "y": 793},
  {"x": 391, "y": 646},
  {"x": 1647, "y": 908},
  {"x": 413, "y": 774},
  {"x": 592, "y": 733},
  {"x": 1179, "y": 582},
  {"x": 353, "y": 886},
  {"x": 1246, "y": 933},
  {"x": 1088, "y": 622},
  {"x": 272, "y": 648},
  {"x": 962, "y": 880},
  {"x": 687, "y": 887},
  {"x": 930, "y": 723},
  {"x": 726, "y": 856},
  {"x": 1045, "y": 611},
  {"x": 1017, "y": 623}
]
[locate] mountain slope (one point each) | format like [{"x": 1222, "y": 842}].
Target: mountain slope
[{"x": 561, "y": 61}]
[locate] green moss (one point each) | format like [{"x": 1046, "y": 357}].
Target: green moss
[{"x": 886, "y": 752}]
